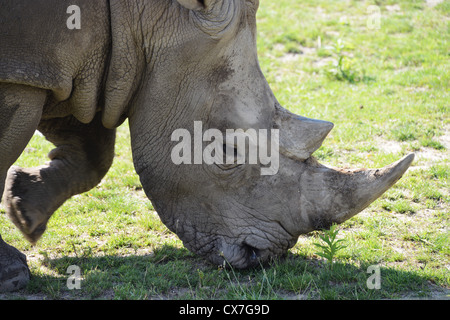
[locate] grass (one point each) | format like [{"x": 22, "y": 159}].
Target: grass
[
  {"x": 124, "y": 252},
  {"x": 331, "y": 246}
]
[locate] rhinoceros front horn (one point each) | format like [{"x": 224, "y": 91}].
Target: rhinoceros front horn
[{"x": 331, "y": 195}]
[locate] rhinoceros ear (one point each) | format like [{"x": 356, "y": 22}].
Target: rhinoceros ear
[
  {"x": 207, "y": 5},
  {"x": 213, "y": 16},
  {"x": 192, "y": 4}
]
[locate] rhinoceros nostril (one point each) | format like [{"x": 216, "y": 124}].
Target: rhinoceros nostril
[{"x": 252, "y": 253}]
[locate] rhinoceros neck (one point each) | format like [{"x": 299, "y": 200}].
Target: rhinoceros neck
[{"x": 141, "y": 32}]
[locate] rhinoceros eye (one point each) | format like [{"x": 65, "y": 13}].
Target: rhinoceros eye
[
  {"x": 226, "y": 167},
  {"x": 230, "y": 151},
  {"x": 231, "y": 158}
]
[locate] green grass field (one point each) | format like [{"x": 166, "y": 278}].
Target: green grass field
[{"x": 384, "y": 81}]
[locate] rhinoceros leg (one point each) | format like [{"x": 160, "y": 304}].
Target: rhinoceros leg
[
  {"x": 14, "y": 272},
  {"x": 83, "y": 155},
  {"x": 20, "y": 112}
]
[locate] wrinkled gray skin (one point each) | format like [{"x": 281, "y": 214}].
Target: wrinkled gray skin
[{"x": 163, "y": 64}]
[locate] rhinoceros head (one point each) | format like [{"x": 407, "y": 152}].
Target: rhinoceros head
[{"x": 201, "y": 82}]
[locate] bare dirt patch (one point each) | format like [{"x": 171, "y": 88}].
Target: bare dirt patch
[{"x": 433, "y": 3}]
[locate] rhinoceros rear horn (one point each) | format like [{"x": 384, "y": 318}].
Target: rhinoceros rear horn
[{"x": 300, "y": 136}]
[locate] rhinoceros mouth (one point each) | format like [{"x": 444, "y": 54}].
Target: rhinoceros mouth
[
  {"x": 239, "y": 256},
  {"x": 244, "y": 254},
  {"x": 226, "y": 252}
]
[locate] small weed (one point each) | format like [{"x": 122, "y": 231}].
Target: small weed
[
  {"x": 342, "y": 67},
  {"x": 332, "y": 245},
  {"x": 201, "y": 278}
]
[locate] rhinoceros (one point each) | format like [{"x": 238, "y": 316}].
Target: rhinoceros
[{"x": 163, "y": 65}]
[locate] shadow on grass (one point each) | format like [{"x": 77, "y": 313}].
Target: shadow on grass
[
  {"x": 174, "y": 273},
  {"x": 349, "y": 280}
]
